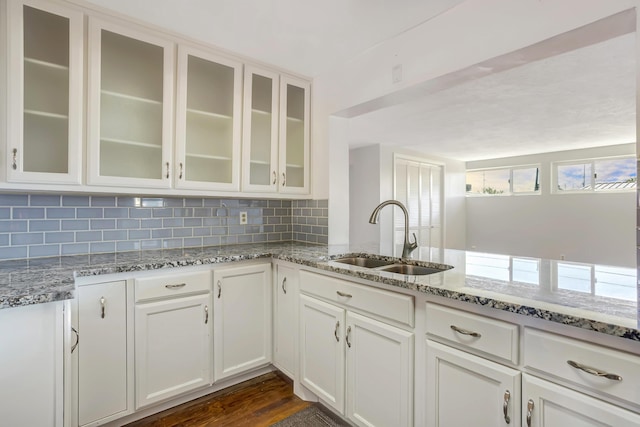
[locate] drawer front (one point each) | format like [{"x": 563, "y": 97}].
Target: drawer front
[
  {"x": 549, "y": 354},
  {"x": 490, "y": 336},
  {"x": 172, "y": 284},
  {"x": 381, "y": 303}
]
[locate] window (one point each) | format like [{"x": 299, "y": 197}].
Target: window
[
  {"x": 504, "y": 181},
  {"x": 611, "y": 174}
]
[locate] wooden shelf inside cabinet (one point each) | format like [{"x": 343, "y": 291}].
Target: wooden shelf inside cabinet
[
  {"x": 295, "y": 166},
  {"x": 207, "y": 156},
  {"x": 46, "y": 64},
  {"x": 133, "y": 143},
  {"x": 46, "y": 114},
  {"x": 130, "y": 97},
  {"x": 209, "y": 114},
  {"x": 294, "y": 120},
  {"x": 261, "y": 112},
  {"x": 260, "y": 162}
]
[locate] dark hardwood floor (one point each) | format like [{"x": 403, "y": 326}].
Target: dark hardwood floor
[{"x": 261, "y": 401}]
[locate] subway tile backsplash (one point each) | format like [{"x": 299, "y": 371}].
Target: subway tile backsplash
[{"x": 39, "y": 225}]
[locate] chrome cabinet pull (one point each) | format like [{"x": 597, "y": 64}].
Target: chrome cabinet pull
[
  {"x": 465, "y": 332},
  {"x": 275, "y": 177},
  {"x": 505, "y": 406},
  {"x": 219, "y": 289},
  {"x": 15, "y": 159},
  {"x": 167, "y": 170},
  {"x": 347, "y": 336},
  {"x": 593, "y": 371},
  {"x": 180, "y": 175},
  {"x": 176, "y": 286},
  {"x": 342, "y": 294},
  {"x": 529, "y": 412},
  {"x": 284, "y": 285},
  {"x": 73, "y": 347},
  {"x": 284, "y": 179},
  {"x": 102, "y": 301},
  {"x": 335, "y": 332},
  {"x": 206, "y": 314}
]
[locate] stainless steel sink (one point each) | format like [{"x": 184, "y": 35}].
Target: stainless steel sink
[
  {"x": 414, "y": 270},
  {"x": 364, "y": 262}
]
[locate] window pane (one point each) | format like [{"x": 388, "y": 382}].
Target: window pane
[
  {"x": 526, "y": 270},
  {"x": 526, "y": 180},
  {"x": 616, "y": 282},
  {"x": 616, "y": 174},
  {"x": 491, "y": 266},
  {"x": 488, "y": 182},
  {"x": 574, "y": 177},
  {"x": 574, "y": 277}
]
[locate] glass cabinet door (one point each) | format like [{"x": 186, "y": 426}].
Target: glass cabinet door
[
  {"x": 208, "y": 121},
  {"x": 45, "y": 93},
  {"x": 130, "y": 107},
  {"x": 260, "y": 132},
  {"x": 294, "y": 135}
]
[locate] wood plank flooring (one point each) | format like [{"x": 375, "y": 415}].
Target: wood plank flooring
[{"x": 259, "y": 402}]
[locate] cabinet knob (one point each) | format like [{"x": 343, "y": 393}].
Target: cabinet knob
[
  {"x": 284, "y": 285},
  {"x": 219, "y": 289},
  {"x": 342, "y": 294},
  {"x": 465, "y": 332},
  {"x": 530, "y": 407},
  {"x": 335, "y": 332},
  {"x": 284, "y": 179},
  {"x": 180, "y": 175},
  {"x": 206, "y": 314},
  {"x": 102, "y": 303},
  {"x": 347, "y": 336},
  {"x": 15, "y": 159},
  {"x": 594, "y": 371},
  {"x": 167, "y": 170},
  {"x": 176, "y": 286},
  {"x": 73, "y": 347},
  {"x": 275, "y": 177}
]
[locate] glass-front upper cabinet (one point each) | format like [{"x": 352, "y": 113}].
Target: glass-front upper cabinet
[
  {"x": 208, "y": 121},
  {"x": 44, "y": 125},
  {"x": 294, "y": 135},
  {"x": 260, "y": 130},
  {"x": 130, "y": 81}
]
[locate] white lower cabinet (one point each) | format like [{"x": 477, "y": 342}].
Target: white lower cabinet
[
  {"x": 464, "y": 389},
  {"x": 349, "y": 358},
  {"x": 172, "y": 336},
  {"x": 285, "y": 294},
  {"x": 102, "y": 352},
  {"x": 550, "y": 405},
  {"x": 242, "y": 319}
]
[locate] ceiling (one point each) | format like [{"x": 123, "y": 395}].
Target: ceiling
[
  {"x": 304, "y": 37},
  {"x": 579, "y": 99}
]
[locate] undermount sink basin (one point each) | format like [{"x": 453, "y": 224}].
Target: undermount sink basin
[
  {"x": 414, "y": 270},
  {"x": 364, "y": 262}
]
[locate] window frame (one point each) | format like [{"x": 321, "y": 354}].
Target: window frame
[
  {"x": 591, "y": 189},
  {"x": 510, "y": 192}
]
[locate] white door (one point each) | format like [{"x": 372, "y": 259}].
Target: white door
[
  {"x": 545, "y": 404},
  {"x": 379, "y": 373},
  {"x": 129, "y": 106},
  {"x": 242, "y": 319},
  {"x": 208, "y": 121},
  {"x": 260, "y": 130},
  {"x": 465, "y": 390},
  {"x": 102, "y": 351},
  {"x": 45, "y": 93},
  {"x": 322, "y": 358},
  {"x": 294, "y": 136},
  {"x": 173, "y": 347},
  {"x": 285, "y": 320}
]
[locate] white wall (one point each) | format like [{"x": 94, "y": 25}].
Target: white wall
[
  {"x": 593, "y": 228},
  {"x": 472, "y": 32},
  {"x": 371, "y": 180}
]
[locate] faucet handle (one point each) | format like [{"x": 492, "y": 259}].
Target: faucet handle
[{"x": 415, "y": 242}]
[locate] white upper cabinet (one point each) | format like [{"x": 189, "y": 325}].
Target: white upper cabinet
[
  {"x": 44, "y": 126},
  {"x": 208, "y": 121},
  {"x": 130, "y": 106},
  {"x": 275, "y": 133},
  {"x": 294, "y": 135}
]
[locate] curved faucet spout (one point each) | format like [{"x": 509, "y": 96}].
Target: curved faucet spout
[{"x": 408, "y": 247}]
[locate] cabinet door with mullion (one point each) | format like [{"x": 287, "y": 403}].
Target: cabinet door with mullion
[
  {"x": 294, "y": 135},
  {"x": 130, "y": 106},
  {"x": 260, "y": 130},
  {"x": 208, "y": 121},
  {"x": 44, "y": 125}
]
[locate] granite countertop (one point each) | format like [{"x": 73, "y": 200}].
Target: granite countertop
[{"x": 540, "y": 294}]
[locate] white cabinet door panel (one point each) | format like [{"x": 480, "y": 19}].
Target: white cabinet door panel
[{"x": 285, "y": 321}]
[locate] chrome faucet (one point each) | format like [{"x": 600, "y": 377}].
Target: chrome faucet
[{"x": 408, "y": 247}]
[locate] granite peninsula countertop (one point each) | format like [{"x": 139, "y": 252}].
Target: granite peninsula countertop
[{"x": 540, "y": 292}]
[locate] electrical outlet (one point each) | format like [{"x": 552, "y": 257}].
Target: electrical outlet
[{"x": 243, "y": 217}]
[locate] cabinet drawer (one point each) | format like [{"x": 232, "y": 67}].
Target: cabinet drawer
[
  {"x": 494, "y": 337},
  {"x": 168, "y": 285},
  {"x": 549, "y": 354},
  {"x": 381, "y": 303}
]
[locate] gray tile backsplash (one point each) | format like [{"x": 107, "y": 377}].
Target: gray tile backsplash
[{"x": 49, "y": 225}]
